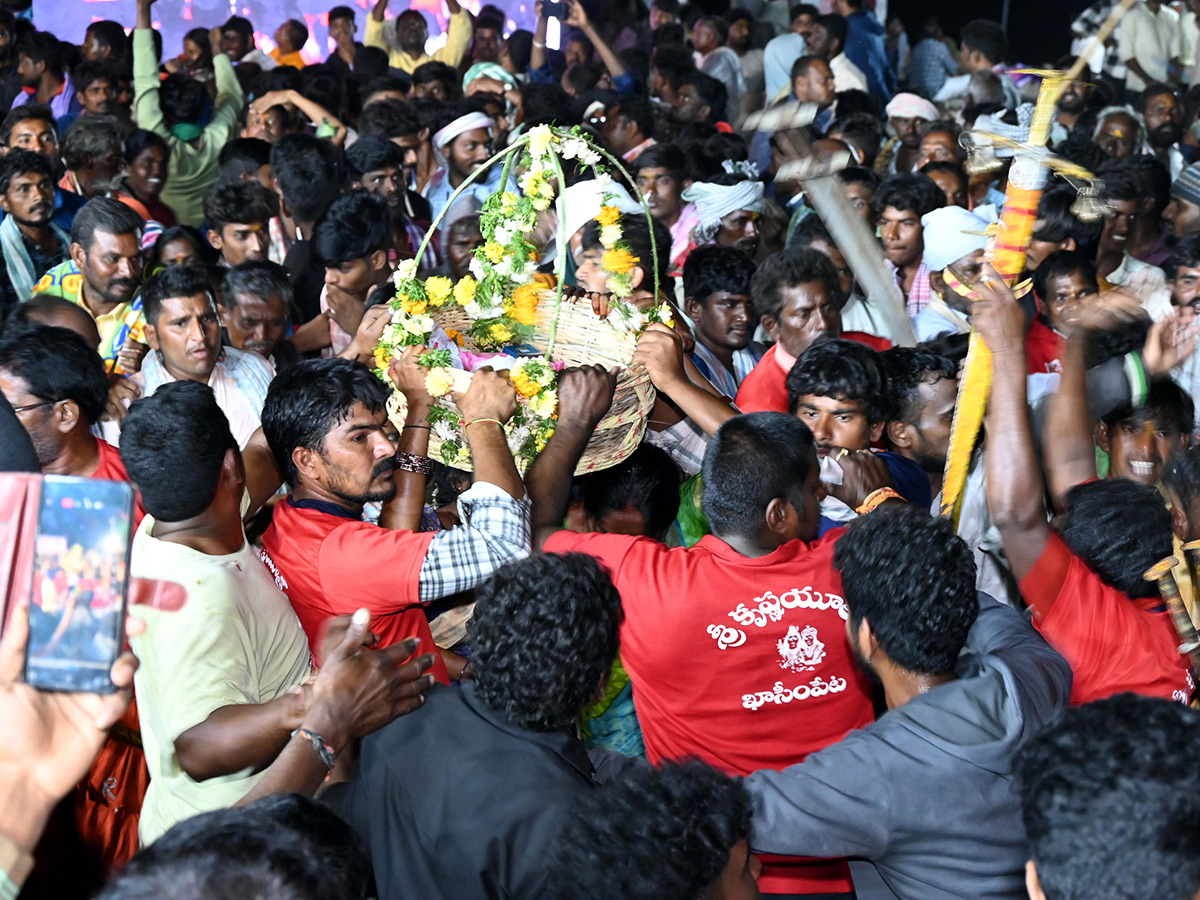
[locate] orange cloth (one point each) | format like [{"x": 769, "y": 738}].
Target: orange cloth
[{"x": 288, "y": 59}]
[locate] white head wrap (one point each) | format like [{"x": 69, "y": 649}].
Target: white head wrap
[
  {"x": 461, "y": 125},
  {"x": 583, "y": 199},
  {"x": 715, "y": 201},
  {"x": 911, "y": 106},
  {"x": 952, "y": 232}
]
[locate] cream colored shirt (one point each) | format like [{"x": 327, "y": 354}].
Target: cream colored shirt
[
  {"x": 1153, "y": 39},
  {"x": 235, "y": 641}
]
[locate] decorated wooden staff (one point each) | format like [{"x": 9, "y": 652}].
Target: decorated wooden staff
[
  {"x": 823, "y": 193},
  {"x": 1189, "y": 642},
  {"x": 1006, "y": 250}
]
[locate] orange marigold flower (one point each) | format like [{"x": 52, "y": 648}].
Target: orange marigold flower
[
  {"x": 455, "y": 335},
  {"x": 608, "y": 215},
  {"x": 618, "y": 261},
  {"x": 414, "y": 307},
  {"x": 525, "y": 386},
  {"x": 525, "y": 301}
]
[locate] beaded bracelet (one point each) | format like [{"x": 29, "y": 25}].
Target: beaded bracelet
[
  {"x": 877, "y": 497},
  {"x": 410, "y": 462}
]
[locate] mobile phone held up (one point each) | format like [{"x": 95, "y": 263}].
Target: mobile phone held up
[
  {"x": 79, "y": 585},
  {"x": 555, "y": 10}
]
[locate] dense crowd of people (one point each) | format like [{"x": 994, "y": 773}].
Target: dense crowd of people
[{"x": 758, "y": 655}]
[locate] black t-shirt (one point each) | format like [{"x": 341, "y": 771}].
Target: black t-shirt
[
  {"x": 454, "y": 801},
  {"x": 307, "y": 275}
]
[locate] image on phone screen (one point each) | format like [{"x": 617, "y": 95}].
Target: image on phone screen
[{"x": 80, "y": 579}]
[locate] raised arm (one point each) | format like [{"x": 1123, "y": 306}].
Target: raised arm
[
  {"x": 1014, "y": 476},
  {"x": 404, "y": 512},
  {"x": 494, "y": 511},
  {"x": 146, "y": 109},
  {"x": 537, "y": 57},
  {"x": 458, "y": 35},
  {"x": 488, "y": 403},
  {"x": 230, "y": 101},
  {"x": 660, "y": 350},
  {"x": 578, "y": 18},
  {"x": 584, "y": 398},
  {"x": 1068, "y": 447},
  {"x": 316, "y": 113}
]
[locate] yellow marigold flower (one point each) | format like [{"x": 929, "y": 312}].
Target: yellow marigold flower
[
  {"x": 500, "y": 332},
  {"x": 525, "y": 301},
  {"x": 618, "y": 261},
  {"x": 414, "y": 307},
  {"x": 383, "y": 358},
  {"x": 439, "y": 290},
  {"x": 608, "y": 215},
  {"x": 525, "y": 386},
  {"x": 438, "y": 381},
  {"x": 494, "y": 252},
  {"x": 464, "y": 291}
]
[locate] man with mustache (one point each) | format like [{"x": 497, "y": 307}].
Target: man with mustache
[
  {"x": 255, "y": 308},
  {"x": 324, "y": 421},
  {"x": 183, "y": 330},
  {"x": 31, "y": 243},
  {"x": 728, "y": 208},
  {"x": 1163, "y": 112},
  {"x": 92, "y": 151},
  {"x": 102, "y": 274},
  {"x": 381, "y": 167},
  {"x": 716, "y": 285}
]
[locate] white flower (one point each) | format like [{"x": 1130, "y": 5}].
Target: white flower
[
  {"x": 609, "y": 235},
  {"x": 478, "y": 311},
  {"x": 504, "y": 233},
  {"x": 603, "y": 182},
  {"x": 406, "y": 271},
  {"x": 590, "y": 158},
  {"x": 444, "y": 431},
  {"x": 505, "y": 267},
  {"x": 418, "y": 325},
  {"x": 518, "y": 437},
  {"x": 540, "y": 139},
  {"x": 476, "y": 268}
]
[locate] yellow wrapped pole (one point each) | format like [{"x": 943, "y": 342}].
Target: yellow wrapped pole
[
  {"x": 1026, "y": 179},
  {"x": 1006, "y": 253}
]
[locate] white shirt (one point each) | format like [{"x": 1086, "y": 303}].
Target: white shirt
[
  {"x": 1146, "y": 282},
  {"x": 1153, "y": 39},
  {"x": 846, "y": 75}
]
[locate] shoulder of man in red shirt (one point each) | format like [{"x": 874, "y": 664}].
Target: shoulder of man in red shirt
[
  {"x": 876, "y": 343},
  {"x": 112, "y": 468},
  {"x": 764, "y": 389},
  {"x": 330, "y": 565},
  {"x": 1043, "y": 348},
  {"x": 1114, "y": 642}
]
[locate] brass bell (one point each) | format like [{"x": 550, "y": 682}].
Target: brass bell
[
  {"x": 982, "y": 159},
  {"x": 1088, "y": 207}
]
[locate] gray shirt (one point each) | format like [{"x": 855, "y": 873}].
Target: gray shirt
[{"x": 926, "y": 792}]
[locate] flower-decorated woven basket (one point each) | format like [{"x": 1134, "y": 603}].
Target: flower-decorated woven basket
[
  {"x": 504, "y": 305},
  {"x": 583, "y": 339}
]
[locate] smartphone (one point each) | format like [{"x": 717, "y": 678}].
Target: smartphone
[
  {"x": 79, "y": 584},
  {"x": 556, "y": 10}
]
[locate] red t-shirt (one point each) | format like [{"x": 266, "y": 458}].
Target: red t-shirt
[
  {"x": 742, "y": 662},
  {"x": 764, "y": 389},
  {"x": 1043, "y": 348},
  {"x": 331, "y": 564},
  {"x": 111, "y": 468},
  {"x": 1113, "y": 643}
]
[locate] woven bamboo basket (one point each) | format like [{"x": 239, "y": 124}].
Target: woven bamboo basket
[
  {"x": 568, "y": 330},
  {"x": 582, "y": 339}
]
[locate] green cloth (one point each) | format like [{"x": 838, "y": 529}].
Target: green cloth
[
  {"x": 191, "y": 169},
  {"x": 611, "y": 722},
  {"x": 691, "y": 524}
]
